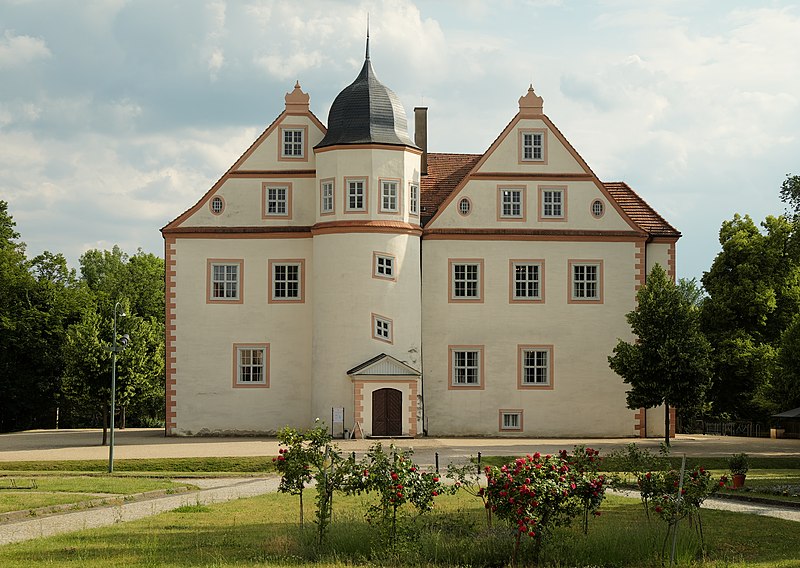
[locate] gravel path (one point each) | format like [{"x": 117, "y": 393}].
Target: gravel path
[{"x": 212, "y": 491}]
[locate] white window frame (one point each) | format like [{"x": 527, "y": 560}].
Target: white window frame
[
  {"x": 512, "y": 203},
  {"x": 390, "y": 196},
  {"x": 466, "y": 367},
  {"x": 466, "y": 280},
  {"x": 537, "y": 282},
  {"x": 327, "y": 192},
  {"x": 585, "y": 281},
  {"x": 246, "y": 365},
  {"x": 384, "y": 266},
  {"x": 356, "y": 184},
  {"x": 286, "y": 287},
  {"x": 539, "y": 367},
  {"x": 292, "y": 143},
  {"x": 413, "y": 199},
  {"x": 532, "y": 146},
  {"x": 225, "y": 286},
  {"x": 506, "y": 426},
  {"x": 550, "y": 207},
  {"x": 277, "y": 198},
  {"x": 382, "y": 328}
]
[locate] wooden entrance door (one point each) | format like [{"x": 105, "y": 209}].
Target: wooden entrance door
[{"x": 387, "y": 412}]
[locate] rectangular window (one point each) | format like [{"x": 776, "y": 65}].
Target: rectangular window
[
  {"x": 586, "y": 281},
  {"x": 286, "y": 280},
  {"x": 292, "y": 143},
  {"x": 466, "y": 280},
  {"x": 512, "y": 203},
  {"x": 224, "y": 281},
  {"x": 276, "y": 200},
  {"x": 414, "y": 199},
  {"x": 533, "y": 146},
  {"x": 382, "y": 328},
  {"x": 553, "y": 203},
  {"x": 511, "y": 420},
  {"x": 389, "y": 198},
  {"x": 251, "y": 365},
  {"x": 527, "y": 281},
  {"x": 326, "y": 205},
  {"x": 383, "y": 266},
  {"x": 356, "y": 195},
  {"x": 535, "y": 366},
  {"x": 466, "y": 367}
]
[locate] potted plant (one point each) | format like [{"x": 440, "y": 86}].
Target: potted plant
[{"x": 738, "y": 464}]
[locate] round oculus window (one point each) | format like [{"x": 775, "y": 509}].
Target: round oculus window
[
  {"x": 598, "y": 208},
  {"x": 217, "y": 205},
  {"x": 464, "y": 206}
]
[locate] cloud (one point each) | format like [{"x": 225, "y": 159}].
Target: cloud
[{"x": 21, "y": 50}]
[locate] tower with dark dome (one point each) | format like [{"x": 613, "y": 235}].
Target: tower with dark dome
[{"x": 366, "y": 341}]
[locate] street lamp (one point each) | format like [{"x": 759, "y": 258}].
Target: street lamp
[{"x": 114, "y": 349}]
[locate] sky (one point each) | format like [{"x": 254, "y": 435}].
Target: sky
[{"x": 116, "y": 116}]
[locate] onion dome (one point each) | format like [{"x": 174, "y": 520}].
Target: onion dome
[{"x": 367, "y": 112}]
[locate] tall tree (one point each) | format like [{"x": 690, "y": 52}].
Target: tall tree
[
  {"x": 753, "y": 296},
  {"x": 669, "y": 363}
]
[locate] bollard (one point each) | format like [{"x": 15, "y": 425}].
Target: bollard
[
  {"x": 353, "y": 455},
  {"x": 437, "y": 462},
  {"x": 479, "y": 463}
]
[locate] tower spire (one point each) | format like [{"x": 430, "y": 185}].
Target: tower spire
[{"x": 367, "y": 55}]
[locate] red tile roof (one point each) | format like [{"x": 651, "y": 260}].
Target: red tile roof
[
  {"x": 446, "y": 171},
  {"x": 639, "y": 211}
]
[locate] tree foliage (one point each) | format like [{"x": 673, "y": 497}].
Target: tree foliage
[
  {"x": 753, "y": 291},
  {"x": 669, "y": 361}
]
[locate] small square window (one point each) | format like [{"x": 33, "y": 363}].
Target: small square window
[
  {"x": 217, "y": 205},
  {"x": 598, "y": 208},
  {"x": 464, "y": 206},
  {"x": 382, "y": 328},
  {"x": 383, "y": 266}
]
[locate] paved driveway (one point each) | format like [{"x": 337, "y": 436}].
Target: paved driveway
[{"x": 151, "y": 443}]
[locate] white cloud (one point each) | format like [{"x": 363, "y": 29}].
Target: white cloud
[{"x": 20, "y": 50}]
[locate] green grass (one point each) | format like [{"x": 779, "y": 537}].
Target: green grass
[
  {"x": 260, "y": 465},
  {"x": 263, "y": 531},
  {"x": 58, "y": 490}
]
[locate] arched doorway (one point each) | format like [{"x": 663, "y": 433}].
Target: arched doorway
[{"x": 387, "y": 412}]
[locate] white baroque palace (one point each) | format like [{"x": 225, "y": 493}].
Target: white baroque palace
[{"x": 448, "y": 294}]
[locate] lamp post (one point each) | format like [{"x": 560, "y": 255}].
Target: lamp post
[{"x": 114, "y": 350}]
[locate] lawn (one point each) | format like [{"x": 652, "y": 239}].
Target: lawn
[
  {"x": 182, "y": 466},
  {"x": 263, "y": 531},
  {"x": 58, "y": 490}
]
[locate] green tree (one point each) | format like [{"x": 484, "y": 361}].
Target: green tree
[
  {"x": 753, "y": 291},
  {"x": 669, "y": 361},
  {"x": 39, "y": 299}
]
